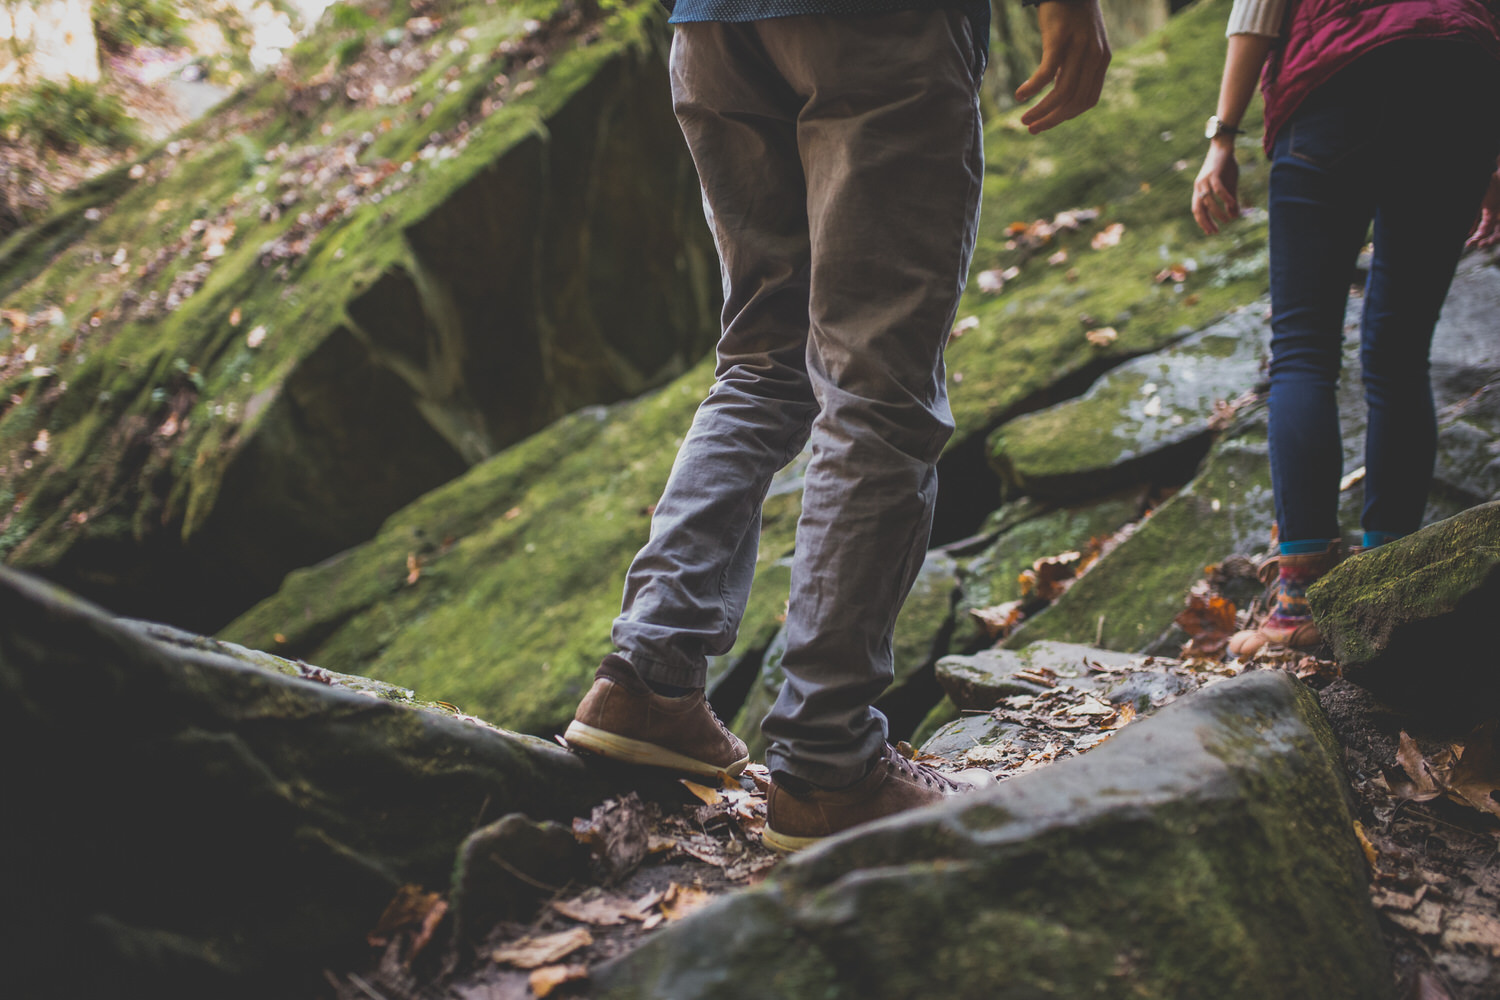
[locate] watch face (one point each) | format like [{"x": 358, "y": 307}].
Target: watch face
[{"x": 1212, "y": 131}]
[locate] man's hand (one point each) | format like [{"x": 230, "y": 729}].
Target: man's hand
[
  {"x": 1216, "y": 191},
  {"x": 1487, "y": 231},
  {"x": 1075, "y": 54}
]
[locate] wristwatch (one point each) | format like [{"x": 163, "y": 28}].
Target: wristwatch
[{"x": 1217, "y": 128}]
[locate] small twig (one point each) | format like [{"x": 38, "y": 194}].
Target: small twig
[
  {"x": 535, "y": 883},
  {"x": 365, "y": 987}
]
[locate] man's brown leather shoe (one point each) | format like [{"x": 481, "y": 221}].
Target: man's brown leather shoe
[
  {"x": 623, "y": 719},
  {"x": 894, "y": 784}
]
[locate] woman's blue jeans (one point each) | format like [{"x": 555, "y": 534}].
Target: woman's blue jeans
[{"x": 1406, "y": 138}]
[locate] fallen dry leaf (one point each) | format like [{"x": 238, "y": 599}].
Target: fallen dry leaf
[
  {"x": 1000, "y": 619},
  {"x": 1371, "y": 855},
  {"x": 1048, "y": 578},
  {"x": 990, "y": 282},
  {"x": 601, "y": 909},
  {"x": 1424, "y": 784},
  {"x": 1389, "y": 899},
  {"x": 549, "y": 977},
  {"x": 1209, "y": 621},
  {"x": 411, "y": 907},
  {"x": 1124, "y": 717},
  {"x": 1475, "y": 779},
  {"x": 1103, "y": 336},
  {"x": 1481, "y": 930},
  {"x": 680, "y": 900},
  {"x": 709, "y": 796},
  {"x": 1108, "y": 236},
  {"x": 618, "y": 833},
  {"x": 1426, "y": 920},
  {"x": 533, "y": 952},
  {"x": 1091, "y": 706}
]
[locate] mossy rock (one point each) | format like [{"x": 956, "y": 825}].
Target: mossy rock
[
  {"x": 1207, "y": 851},
  {"x": 992, "y": 576},
  {"x": 1149, "y": 420},
  {"x": 1130, "y": 595},
  {"x": 1408, "y": 618},
  {"x": 205, "y": 821},
  {"x": 344, "y": 288}
]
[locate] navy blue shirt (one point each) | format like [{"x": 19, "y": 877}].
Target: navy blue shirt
[{"x": 761, "y": 10}]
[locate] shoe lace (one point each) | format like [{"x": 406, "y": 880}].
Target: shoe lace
[{"x": 927, "y": 775}]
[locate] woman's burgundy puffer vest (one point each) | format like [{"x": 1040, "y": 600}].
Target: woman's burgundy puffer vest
[{"x": 1323, "y": 36}]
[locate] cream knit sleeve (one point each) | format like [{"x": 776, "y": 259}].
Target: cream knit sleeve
[{"x": 1256, "y": 17}]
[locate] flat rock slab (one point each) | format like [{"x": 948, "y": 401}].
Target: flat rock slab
[
  {"x": 982, "y": 680},
  {"x": 205, "y": 821},
  {"x": 1412, "y": 619},
  {"x": 1207, "y": 852},
  {"x": 1129, "y": 425}
]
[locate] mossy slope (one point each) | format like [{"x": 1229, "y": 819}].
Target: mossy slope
[
  {"x": 509, "y": 619},
  {"x": 355, "y": 280}
]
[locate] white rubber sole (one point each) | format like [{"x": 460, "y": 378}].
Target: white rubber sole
[
  {"x": 630, "y": 751},
  {"x": 785, "y": 844}
]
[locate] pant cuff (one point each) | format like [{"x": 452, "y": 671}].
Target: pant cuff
[{"x": 667, "y": 673}]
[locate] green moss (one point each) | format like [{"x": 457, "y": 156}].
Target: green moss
[
  {"x": 1130, "y": 597},
  {"x": 993, "y": 576}
]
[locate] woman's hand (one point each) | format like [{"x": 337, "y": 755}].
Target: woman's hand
[
  {"x": 1216, "y": 191},
  {"x": 1487, "y": 230}
]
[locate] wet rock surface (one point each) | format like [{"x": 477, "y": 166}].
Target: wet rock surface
[{"x": 1207, "y": 851}]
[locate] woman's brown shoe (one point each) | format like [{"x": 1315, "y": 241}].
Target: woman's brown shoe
[{"x": 623, "y": 719}]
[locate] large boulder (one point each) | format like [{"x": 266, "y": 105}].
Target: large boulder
[
  {"x": 186, "y": 818},
  {"x": 522, "y": 559},
  {"x": 413, "y": 245},
  {"x": 1412, "y": 619},
  {"x": 1208, "y": 851}
]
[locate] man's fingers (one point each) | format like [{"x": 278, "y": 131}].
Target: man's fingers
[
  {"x": 1063, "y": 102},
  {"x": 1044, "y": 75}
]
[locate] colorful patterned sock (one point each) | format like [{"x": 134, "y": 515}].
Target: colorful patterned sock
[
  {"x": 1294, "y": 576},
  {"x": 1374, "y": 538}
]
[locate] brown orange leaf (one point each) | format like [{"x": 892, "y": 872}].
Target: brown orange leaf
[
  {"x": 534, "y": 952},
  {"x": 708, "y": 796},
  {"x": 549, "y": 977}
]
